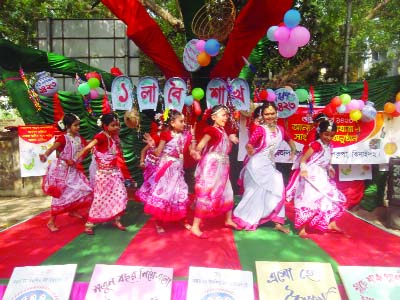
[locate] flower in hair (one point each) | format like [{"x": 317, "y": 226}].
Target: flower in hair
[
  {"x": 61, "y": 124},
  {"x": 99, "y": 122},
  {"x": 165, "y": 115}
]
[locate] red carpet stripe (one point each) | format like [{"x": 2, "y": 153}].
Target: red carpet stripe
[
  {"x": 30, "y": 242},
  {"x": 362, "y": 244},
  {"x": 178, "y": 249}
]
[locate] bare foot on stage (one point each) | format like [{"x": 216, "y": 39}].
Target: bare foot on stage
[{"x": 282, "y": 228}]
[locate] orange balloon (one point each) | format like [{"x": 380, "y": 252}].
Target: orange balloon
[
  {"x": 336, "y": 101},
  {"x": 389, "y": 107},
  {"x": 398, "y": 96},
  {"x": 203, "y": 59}
]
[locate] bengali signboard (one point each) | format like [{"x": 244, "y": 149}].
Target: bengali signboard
[
  {"x": 240, "y": 94},
  {"x": 217, "y": 92},
  {"x": 286, "y": 102},
  {"x": 41, "y": 282},
  {"x": 371, "y": 283},
  {"x": 190, "y": 53},
  {"x": 34, "y": 140},
  {"x": 224, "y": 284},
  {"x": 147, "y": 93},
  {"x": 117, "y": 282},
  {"x": 122, "y": 93},
  {"x": 174, "y": 93},
  {"x": 296, "y": 280}
]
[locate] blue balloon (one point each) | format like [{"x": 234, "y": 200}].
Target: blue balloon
[
  {"x": 292, "y": 18},
  {"x": 188, "y": 100},
  {"x": 212, "y": 47},
  {"x": 270, "y": 33}
]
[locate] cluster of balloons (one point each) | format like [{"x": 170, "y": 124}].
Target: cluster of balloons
[
  {"x": 264, "y": 95},
  {"x": 289, "y": 35},
  {"x": 89, "y": 88},
  {"x": 393, "y": 109},
  {"x": 207, "y": 49},
  {"x": 197, "y": 94},
  {"x": 357, "y": 109}
]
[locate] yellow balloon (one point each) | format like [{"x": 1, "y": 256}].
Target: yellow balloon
[
  {"x": 398, "y": 96},
  {"x": 355, "y": 115}
]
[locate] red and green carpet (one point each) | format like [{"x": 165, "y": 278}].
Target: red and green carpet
[{"x": 30, "y": 243}]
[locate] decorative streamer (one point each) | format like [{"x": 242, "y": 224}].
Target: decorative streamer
[{"x": 33, "y": 96}]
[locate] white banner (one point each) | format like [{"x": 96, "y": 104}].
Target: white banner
[{"x": 122, "y": 93}]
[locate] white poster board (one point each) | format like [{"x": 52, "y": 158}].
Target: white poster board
[
  {"x": 224, "y": 284},
  {"x": 371, "y": 283},
  {"x": 41, "y": 282},
  {"x": 296, "y": 280},
  {"x": 117, "y": 282}
]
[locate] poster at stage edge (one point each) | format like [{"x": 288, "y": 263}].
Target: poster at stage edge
[
  {"x": 52, "y": 282},
  {"x": 215, "y": 284},
  {"x": 118, "y": 282},
  {"x": 296, "y": 280},
  {"x": 34, "y": 140},
  {"x": 358, "y": 142},
  {"x": 372, "y": 283},
  {"x": 354, "y": 172}
]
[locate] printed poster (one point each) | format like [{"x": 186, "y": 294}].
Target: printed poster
[
  {"x": 296, "y": 280},
  {"x": 371, "y": 283},
  {"x": 117, "y": 282},
  {"x": 224, "y": 284},
  {"x": 41, "y": 282},
  {"x": 354, "y": 172},
  {"x": 35, "y": 140}
]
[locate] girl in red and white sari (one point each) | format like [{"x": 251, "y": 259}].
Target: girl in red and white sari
[
  {"x": 65, "y": 180},
  {"x": 110, "y": 195}
]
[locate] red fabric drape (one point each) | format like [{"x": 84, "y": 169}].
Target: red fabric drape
[
  {"x": 105, "y": 105},
  {"x": 58, "y": 111},
  {"x": 364, "y": 95},
  {"x": 147, "y": 35},
  {"x": 250, "y": 26}
]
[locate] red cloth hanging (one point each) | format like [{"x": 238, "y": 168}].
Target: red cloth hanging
[
  {"x": 364, "y": 95},
  {"x": 58, "y": 111},
  {"x": 106, "y": 109},
  {"x": 312, "y": 95}
]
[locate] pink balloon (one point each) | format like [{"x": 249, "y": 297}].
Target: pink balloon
[
  {"x": 353, "y": 105},
  {"x": 397, "y": 104},
  {"x": 361, "y": 104},
  {"x": 300, "y": 36},
  {"x": 282, "y": 34},
  {"x": 200, "y": 45},
  {"x": 94, "y": 94},
  {"x": 287, "y": 49},
  {"x": 272, "y": 96}
]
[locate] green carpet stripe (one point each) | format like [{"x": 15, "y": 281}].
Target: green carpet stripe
[
  {"x": 104, "y": 247},
  {"x": 267, "y": 244}
]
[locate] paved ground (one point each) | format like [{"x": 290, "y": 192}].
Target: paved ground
[{"x": 17, "y": 209}]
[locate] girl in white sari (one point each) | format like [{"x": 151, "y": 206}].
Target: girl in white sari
[{"x": 264, "y": 192}]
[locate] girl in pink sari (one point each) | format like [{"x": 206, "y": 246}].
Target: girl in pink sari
[
  {"x": 213, "y": 189},
  {"x": 110, "y": 195},
  {"x": 317, "y": 201},
  {"x": 165, "y": 192},
  {"x": 65, "y": 180}
]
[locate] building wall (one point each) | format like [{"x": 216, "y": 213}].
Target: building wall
[{"x": 11, "y": 182}]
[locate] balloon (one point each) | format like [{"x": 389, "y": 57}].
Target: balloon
[
  {"x": 200, "y": 45},
  {"x": 198, "y": 93},
  {"x": 389, "y": 107},
  {"x": 93, "y": 82},
  {"x": 196, "y": 108},
  {"x": 336, "y": 101},
  {"x": 263, "y": 95},
  {"x": 203, "y": 59},
  {"x": 282, "y": 34},
  {"x": 398, "y": 96},
  {"x": 368, "y": 112},
  {"x": 345, "y": 98},
  {"x": 93, "y": 75},
  {"x": 292, "y": 18},
  {"x": 361, "y": 104},
  {"x": 84, "y": 89},
  {"x": 212, "y": 47},
  {"x": 271, "y": 32},
  {"x": 302, "y": 94},
  {"x": 287, "y": 49},
  {"x": 188, "y": 100},
  {"x": 341, "y": 109},
  {"x": 353, "y": 104},
  {"x": 299, "y": 36},
  {"x": 94, "y": 94},
  {"x": 355, "y": 115},
  {"x": 271, "y": 95},
  {"x": 397, "y": 104},
  {"x": 395, "y": 114}
]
